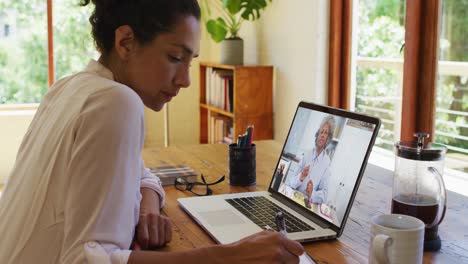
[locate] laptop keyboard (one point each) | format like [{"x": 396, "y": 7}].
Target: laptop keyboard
[{"x": 263, "y": 211}]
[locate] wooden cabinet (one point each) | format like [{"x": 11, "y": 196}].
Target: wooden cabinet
[{"x": 236, "y": 96}]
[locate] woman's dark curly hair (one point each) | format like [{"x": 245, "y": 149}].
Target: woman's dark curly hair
[{"x": 147, "y": 18}]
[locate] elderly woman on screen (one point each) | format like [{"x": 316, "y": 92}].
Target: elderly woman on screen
[{"x": 314, "y": 167}]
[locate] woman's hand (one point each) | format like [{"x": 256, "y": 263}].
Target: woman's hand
[
  {"x": 264, "y": 247},
  {"x": 305, "y": 172},
  {"x": 309, "y": 188},
  {"x": 153, "y": 230}
]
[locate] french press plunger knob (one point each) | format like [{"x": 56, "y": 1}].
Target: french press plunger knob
[{"x": 421, "y": 137}]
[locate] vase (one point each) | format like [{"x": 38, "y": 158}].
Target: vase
[{"x": 232, "y": 51}]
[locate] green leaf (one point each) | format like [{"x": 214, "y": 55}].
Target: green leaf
[
  {"x": 218, "y": 29},
  {"x": 251, "y": 8},
  {"x": 233, "y": 6}
]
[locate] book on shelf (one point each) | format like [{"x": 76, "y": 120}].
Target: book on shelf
[
  {"x": 219, "y": 88},
  {"x": 220, "y": 129},
  {"x": 168, "y": 174}
]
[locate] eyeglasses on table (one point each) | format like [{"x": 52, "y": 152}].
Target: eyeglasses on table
[{"x": 197, "y": 188}]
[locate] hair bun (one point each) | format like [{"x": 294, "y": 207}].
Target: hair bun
[
  {"x": 147, "y": 18},
  {"x": 95, "y": 2}
]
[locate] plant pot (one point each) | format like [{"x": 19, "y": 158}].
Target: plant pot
[{"x": 232, "y": 51}]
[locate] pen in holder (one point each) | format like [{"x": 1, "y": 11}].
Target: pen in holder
[{"x": 242, "y": 165}]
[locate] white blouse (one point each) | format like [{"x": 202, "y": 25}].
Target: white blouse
[
  {"x": 74, "y": 193},
  {"x": 319, "y": 174}
]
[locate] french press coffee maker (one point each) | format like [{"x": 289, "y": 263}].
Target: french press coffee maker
[{"x": 418, "y": 186}]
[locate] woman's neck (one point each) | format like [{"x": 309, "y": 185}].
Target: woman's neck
[
  {"x": 318, "y": 150},
  {"x": 115, "y": 66}
]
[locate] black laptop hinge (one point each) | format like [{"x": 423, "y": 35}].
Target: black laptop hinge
[{"x": 303, "y": 211}]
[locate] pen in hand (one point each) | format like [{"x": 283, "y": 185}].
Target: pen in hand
[
  {"x": 280, "y": 223},
  {"x": 281, "y": 226}
]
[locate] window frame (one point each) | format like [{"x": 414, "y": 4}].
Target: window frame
[
  {"x": 419, "y": 70},
  {"x": 339, "y": 53},
  {"x": 50, "y": 44}
]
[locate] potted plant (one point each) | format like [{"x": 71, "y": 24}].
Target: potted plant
[{"x": 225, "y": 28}]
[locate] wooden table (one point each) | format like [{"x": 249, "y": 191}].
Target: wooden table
[{"x": 374, "y": 197}]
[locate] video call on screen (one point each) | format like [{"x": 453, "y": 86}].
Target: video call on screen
[{"x": 321, "y": 161}]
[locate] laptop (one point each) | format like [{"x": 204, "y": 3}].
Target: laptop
[{"x": 314, "y": 184}]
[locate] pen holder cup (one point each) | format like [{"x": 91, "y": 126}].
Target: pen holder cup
[{"x": 242, "y": 168}]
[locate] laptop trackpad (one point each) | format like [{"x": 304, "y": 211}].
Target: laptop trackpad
[{"x": 221, "y": 217}]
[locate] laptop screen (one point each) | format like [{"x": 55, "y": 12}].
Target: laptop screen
[{"x": 321, "y": 161}]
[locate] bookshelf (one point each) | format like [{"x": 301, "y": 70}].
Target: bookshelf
[{"x": 233, "y": 97}]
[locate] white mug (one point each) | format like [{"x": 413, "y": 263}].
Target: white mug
[{"x": 395, "y": 239}]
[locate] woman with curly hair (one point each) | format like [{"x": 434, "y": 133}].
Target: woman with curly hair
[{"x": 79, "y": 191}]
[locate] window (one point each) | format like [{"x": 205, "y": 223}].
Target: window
[
  {"x": 451, "y": 127},
  {"x": 24, "y": 48},
  {"x": 23, "y": 53},
  {"x": 395, "y": 73},
  {"x": 73, "y": 43},
  {"x": 378, "y": 62}
]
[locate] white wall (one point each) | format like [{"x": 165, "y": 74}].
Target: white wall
[
  {"x": 13, "y": 126},
  {"x": 293, "y": 37}
]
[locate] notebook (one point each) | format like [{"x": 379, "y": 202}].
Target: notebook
[
  {"x": 168, "y": 174},
  {"x": 314, "y": 184}
]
